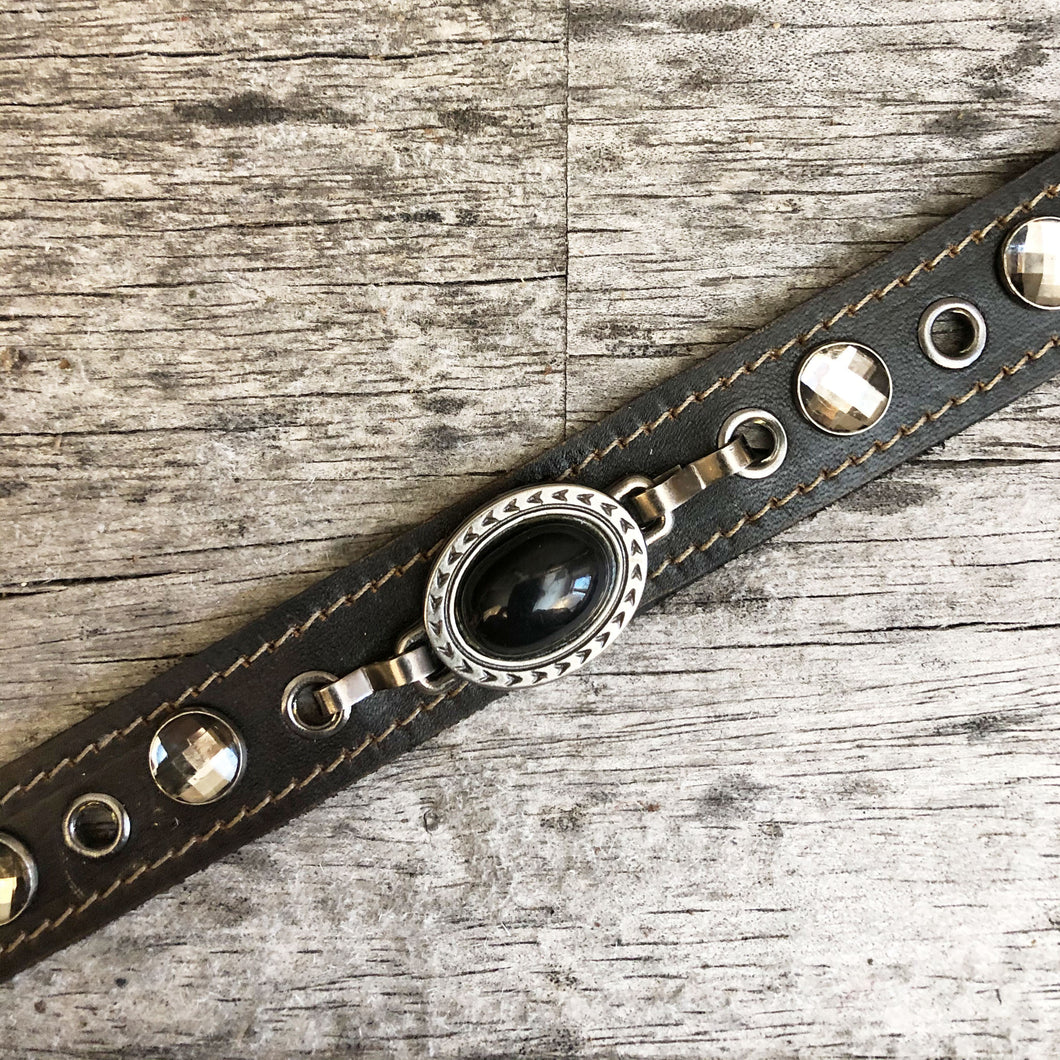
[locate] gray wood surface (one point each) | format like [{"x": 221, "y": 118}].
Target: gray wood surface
[{"x": 278, "y": 279}]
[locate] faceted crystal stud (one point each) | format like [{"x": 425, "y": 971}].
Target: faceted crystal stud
[
  {"x": 196, "y": 757},
  {"x": 1030, "y": 262},
  {"x": 843, "y": 387},
  {"x": 18, "y": 878}
]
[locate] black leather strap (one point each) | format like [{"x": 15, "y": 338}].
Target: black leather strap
[{"x": 356, "y": 615}]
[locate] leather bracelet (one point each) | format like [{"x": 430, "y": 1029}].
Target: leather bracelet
[{"x": 525, "y": 585}]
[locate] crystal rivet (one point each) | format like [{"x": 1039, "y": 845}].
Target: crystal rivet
[
  {"x": 18, "y": 878},
  {"x": 196, "y": 757},
  {"x": 1030, "y": 262},
  {"x": 843, "y": 387}
]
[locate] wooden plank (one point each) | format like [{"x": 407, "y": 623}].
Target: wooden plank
[
  {"x": 284, "y": 306},
  {"x": 808, "y": 806}
]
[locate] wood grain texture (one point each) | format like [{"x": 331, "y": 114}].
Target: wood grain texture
[{"x": 277, "y": 279}]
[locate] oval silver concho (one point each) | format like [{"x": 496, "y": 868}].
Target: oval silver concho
[{"x": 568, "y": 514}]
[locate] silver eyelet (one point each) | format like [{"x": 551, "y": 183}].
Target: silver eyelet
[
  {"x": 311, "y": 679},
  {"x": 764, "y": 467},
  {"x": 971, "y": 352},
  {"x": 117, "y": 822}
]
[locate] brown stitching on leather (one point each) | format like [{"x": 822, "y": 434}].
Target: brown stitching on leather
[
  {"x": 646, "y": 428},
  {"x": 856, "y": 461},
  {"x": 243, "y": 662},
  {"x": 347, "y": 755},
  {"x": 699, "y": 396}
]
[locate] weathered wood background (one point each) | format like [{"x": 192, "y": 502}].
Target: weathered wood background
[{"x": 279, "y": 278}]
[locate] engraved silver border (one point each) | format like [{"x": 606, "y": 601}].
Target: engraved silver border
[
  {"x": 798, "y": 388},
  {"x": 121, "y": 818},
  {"x": 1006, "y": 276},
  {"x": 577, "y": 503},
  {"x": 22, "y": 853}
]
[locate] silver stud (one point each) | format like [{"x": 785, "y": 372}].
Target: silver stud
[
  {"x": 96, "y": 826},
  {"x": 843, "y": 387},
  {"x": 1030, "y": 262},
  {"x": 196, "y": 757},
  {"x": 953, "y": 309},
  {"x": 18, "y": 878}
]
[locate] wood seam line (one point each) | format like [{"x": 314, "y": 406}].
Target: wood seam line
[
  {"x": 322, "y": 614},
  {"x": 906, "y": 431},
  {"x": 349, "y": 754},
  {"x": 851, "y": 309},
  {"x": 243, "y": 814}
]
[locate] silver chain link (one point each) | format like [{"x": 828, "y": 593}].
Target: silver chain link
[{"x": 653, "y": 502}]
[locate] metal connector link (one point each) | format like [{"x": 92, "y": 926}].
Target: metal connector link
[
  {"x": 653, "y": 503},
  {"x": 416, "y": 665}
]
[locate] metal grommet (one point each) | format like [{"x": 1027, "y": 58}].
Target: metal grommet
[
  {"x": 764, "y": 466},
  {"x": 96, "y": 826},
  {"x": 294, "y": 697},
  {"x": 18, "y": 878},
  {"x": 971, "y": 351}
]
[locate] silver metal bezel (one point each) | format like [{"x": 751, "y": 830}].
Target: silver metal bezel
[
  {"x": 927, "y": 341},
  {"x": 1006, "y": 279},
  {"x": 590, "y": 507},
  {"x": 121, "y": 816},
  {"x": 23, "y": 854},
  {"x": 802, "y": 406},
  {"x": 240, "y": 745}
]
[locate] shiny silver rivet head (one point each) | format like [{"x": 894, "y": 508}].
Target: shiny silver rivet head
[
  {"x": 96, "y": 826},
  {"x": 970, "y": 338},
  {"x": 1030, "y": 262},
  {"x": 196, "y": 757},
  {"x": 763, "y": 434},
  {"x": 843, "y": 387},
  {"x": 18, "y": 878},
  {"x": 304, "y": 712}
]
